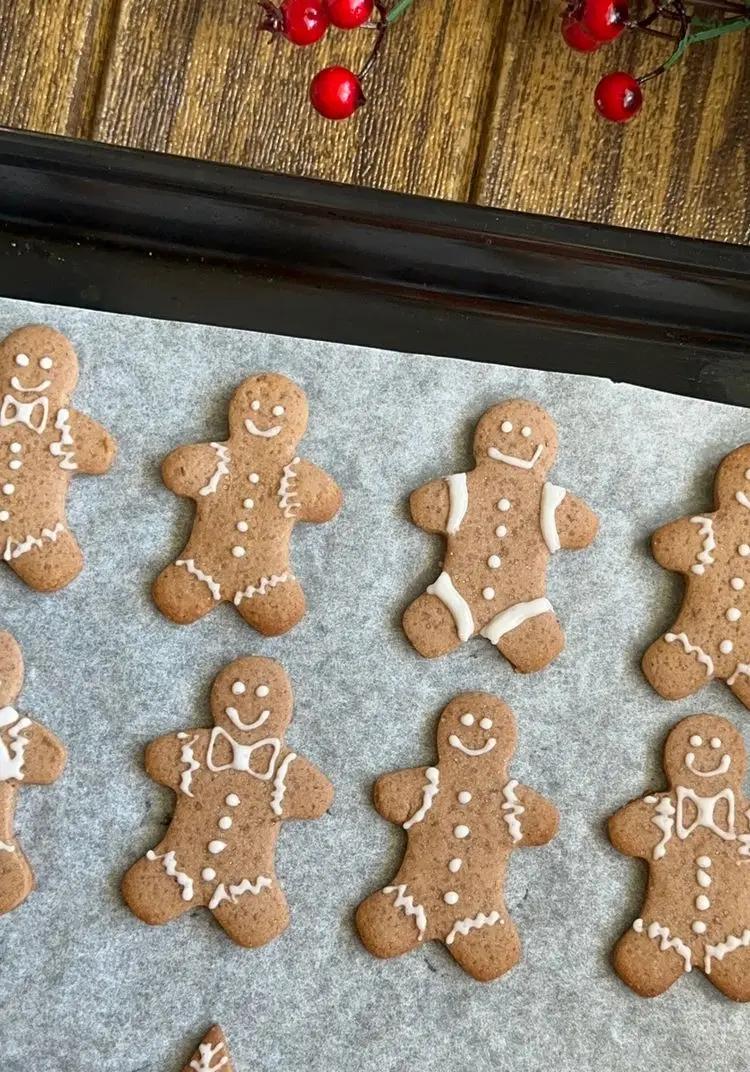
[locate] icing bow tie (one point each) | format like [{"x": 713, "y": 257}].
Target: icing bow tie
[
  {"x": 242, "y": 754},
  {"x": 705, "y": 813},
  {"x": 32, "y": 414}
]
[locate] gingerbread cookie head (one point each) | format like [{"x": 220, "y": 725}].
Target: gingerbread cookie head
[
  {"x": 476, "y": 732},
  {"x": 271, "y": 411},
  {"x": 519, "y": 434},
  {"x": 37, "y": 360},
  {"x": 252, "y": 700},
  {"x": 732, "y": 481},
  {"x": 705, "y": 753},
  {"x": 11, "y": 669}
]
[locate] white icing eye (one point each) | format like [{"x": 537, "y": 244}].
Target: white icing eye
[
  {"x": 238, "y": 688},
  {"x": 22, "y": 360},
  {"x": 716, "y": 742},
  {"x": 46, "y": 363},
  {"x": 262, "y": 690},
  {"x": 277, "y": 411},
  {"x": 506, "y": 426},
  {"x": 486, "y": 723},
  {"x": 255, "y": 405},
  {"x": 467, "y": 720},
  {"x": 526, "y": 431},
  {"x": 696, "y": 741}
]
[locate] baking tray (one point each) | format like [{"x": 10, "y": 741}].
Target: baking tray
[{"x": 106, "y": 228}]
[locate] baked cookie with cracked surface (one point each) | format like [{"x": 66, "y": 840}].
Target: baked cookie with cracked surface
[
  {"x": 235, "y": 784},
  {"x": 249, "y": 492},
  {"x": 695, "y": 838},
  {"x": 501, "y": 523},
  {"x": 212, "y": 1054},
  {"x": 463, "y": 818}
]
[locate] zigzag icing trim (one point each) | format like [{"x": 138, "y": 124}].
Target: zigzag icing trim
[
  {"x": 692, "y": 649},
  {"x": 279, "y": 784},
  {"x": 31, "y": 542},
  {"x": 706, "y": 532},
  {"x": 206, "y": 1054},
  {"x": 222, "y": 469},
  {"x": 286, "y": 490},
  {"x": 512, "y": 809},
  {"x": 429, "y": 792},
  {"x": 263, "y": 586},
  {"x": 463, "y": 926},
  {"x": 169, "y": 863},
  {"x": 720, "y": 950},
  {"x": 663, "y": 821},
  {"x": 190, "y": 566},
  {"x": 406, "y": 901},
  {"x": 666, "y": 941},
  {"x": 246, "y": 886},
  {"x": 62, "y": 424},
  {"x": 187, "y": 757}
]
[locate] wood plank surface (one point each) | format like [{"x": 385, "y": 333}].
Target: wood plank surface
[
  {"x": 195, "y": 77},
  {"x": 683, "y": 165},
  {"x": 51, "y": 58}
]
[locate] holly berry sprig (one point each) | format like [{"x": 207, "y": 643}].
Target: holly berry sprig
[
  {"x": 589, "y": 24},
  {"x": 335, "y": 92}
]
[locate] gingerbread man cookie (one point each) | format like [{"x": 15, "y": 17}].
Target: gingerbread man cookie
[
  {"x": 501, "y": 521},
  {"x": 212, "y": 1054},
  {"x": 43, "y": 442},
  {"x": 711, "y": 636},
  {"x": 29, "y": 755},
  {"x": 463, "y": 818},
  {"x": 236, "y": 784},
  {"x": 249, "y": 492},
  {"x": 695, "y": 837}
]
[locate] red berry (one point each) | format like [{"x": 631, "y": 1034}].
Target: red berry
[
  {"x": 348, "y": 14},
  {"x": 336, "y": 93},
  {"x": 604, "y": 19},
  {"x": 577, "y": 36},
  {"x": 303, "y": 22},
  {"x": 618, "y": 96}
]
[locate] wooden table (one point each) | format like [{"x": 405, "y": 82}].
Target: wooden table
[{"x": 474, "y": 100}]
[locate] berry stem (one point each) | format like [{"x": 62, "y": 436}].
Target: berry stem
[
  {"x": 687, "y": 39},
  {"x": 398, "y": 9},
  {"x": 381, "y": 27}
]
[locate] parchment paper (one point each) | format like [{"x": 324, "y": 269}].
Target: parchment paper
[{"x": 86, "y": 987}]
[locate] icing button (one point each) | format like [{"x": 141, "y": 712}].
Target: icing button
[
  {"x": 455, "y": 864},
  {"x": 461, "y": 831},
  {"x": 494, "y": 561},
  {"x": 699, "y": 927},
  {"x": 725, "y": 647},
  {"x": 464, "y": 796},
  {"x": 8, "y": 489},
  {"x": 451, "y": 897},
  {"x": 208, "y": 874},
  {"x": 248, "y": 504},
  {"x": 504, "y": 505},
  {"x": 737, "y": 583},
  {"x": 238, "y": 551},
  {"x": 488, "y": 593}
]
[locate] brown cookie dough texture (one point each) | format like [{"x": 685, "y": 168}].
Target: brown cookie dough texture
[
  {"x": 212, "y": 1054},
  {"x": 249, "y": 492},
  {"x": 463, "y": 818},
  {"x": 29, "y": 755},
  {"x": 695, "y": 838},
  {"x": 711, "y": 636},
  {"x": 501, "y": 521},
  {"x": 236, "y": 783},
  {"x": 43, "y": 442}
]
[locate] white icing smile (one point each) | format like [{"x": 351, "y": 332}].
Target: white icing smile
[
  {"x": 265, "y": 433},
  {"x": 723, "y": 767},
  {"x": 511, "y": 459},
  {"x": 234, "y": 715},
  {"x": 16, "y": 385},
  {"x": 456, "y": 742}
]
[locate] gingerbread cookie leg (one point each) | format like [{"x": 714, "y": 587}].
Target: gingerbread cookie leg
[
  {"x": 388, "y": 929},
  {"x": 49, "y": 562},
  {"x": 534, "y": 643},
  {"x": 16, "y": 878},
  {"x": 643, "y": 966},
  {"x": 184, "y": 593},
  {"x": 254, "y": 917},
  {"x": 430, "y": 626},
  {"x": 675, "y": 667},
  {"x": 156, "y": 890},
  {"x": 272, "y": 609},
  {"x": 727, "y": 966},
  {"x": 485, "y": 946}
]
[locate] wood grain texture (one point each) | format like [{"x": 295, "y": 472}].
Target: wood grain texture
[
  {"x": 195, "y": 77},
  {"x": 51, "y": 57},
  {"x": 683, "y": 165}
]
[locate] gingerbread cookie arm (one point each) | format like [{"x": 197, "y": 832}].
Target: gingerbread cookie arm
[
  {"x": 399, "y": 796},
  {"x": 93, "y": 447},
  {"x": 537, "y": 818},
  {"x": 212, "y": 1054},
  {"x": 188, "y": 470},
  {"x": 300, "y": 790},
  {"x": 316, "y": 495},
  {"x": 639, "y": 827},
  {"x": 577, "y": 524},
  {"x": 430, "y": 505},
  {"x": 45, "y": 756},
  {"x": 677, "y": 546},
  {"x": 171, "y": 760}
]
